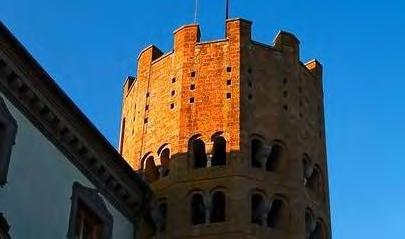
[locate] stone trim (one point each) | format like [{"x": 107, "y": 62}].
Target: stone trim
[
  {"x": 7, "y": 137},
  {"x": 27, "y": 85},
  {"x": 92, "y": 200},
  {"x": 4, "y": 227}
]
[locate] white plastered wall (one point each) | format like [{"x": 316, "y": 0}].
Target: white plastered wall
[{"x": 36, "y": 199}]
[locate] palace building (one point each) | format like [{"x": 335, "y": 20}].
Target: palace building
[{"x": 230, "y": 135}]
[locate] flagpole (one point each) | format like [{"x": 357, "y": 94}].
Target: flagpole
[
  {"x": 226, "y": 17},
  {"x": 227, "y": 10},
  {"x": 195, "y": 11}
]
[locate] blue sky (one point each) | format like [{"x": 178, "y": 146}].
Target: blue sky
[{"x": 90, "y": 46}]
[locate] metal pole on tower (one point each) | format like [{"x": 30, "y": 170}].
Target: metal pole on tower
[
  {"x": 226, "y": 16},
  {"x": 195, "y": 11},
  {"x": 227, "y": 10}
]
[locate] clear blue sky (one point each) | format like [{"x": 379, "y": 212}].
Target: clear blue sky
[{"x": 90, "y": 46}]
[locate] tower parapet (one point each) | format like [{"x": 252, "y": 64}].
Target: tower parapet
[{"x": 230, "y": 134}]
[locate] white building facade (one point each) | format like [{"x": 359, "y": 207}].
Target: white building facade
[{"x": 59, "y": 177}]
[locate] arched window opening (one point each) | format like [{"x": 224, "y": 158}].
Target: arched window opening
[
  {"x": 163, "y": 216},
  {"x": 197, "y": 209},
  {"x": 275, "y": 217},
  {"x": 218, "y": 207},
  {"x": 199, "y": 154},
  {"x": 274, "y": 158},
  {"x": 308, "y": 224},
  {"x": 151, "y": 172},
  {"x": 256, "y": 149},
  {"x": 314, "y": 183},
  {"x": 165, "y": 162},
  {"x": 219, "y": 152},
  {"x": 306, "y": 169},
  {"x": 318, "y": 232},
  {"x": 257, "y": 209}
]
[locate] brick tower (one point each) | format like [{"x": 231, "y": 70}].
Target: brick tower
[{"x": 230, "y": 135}]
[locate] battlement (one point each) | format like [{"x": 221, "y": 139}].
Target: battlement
[{"x": 187, "y": 40}]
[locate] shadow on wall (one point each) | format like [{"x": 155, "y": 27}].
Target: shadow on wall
[{"x": 271, "y": 211}]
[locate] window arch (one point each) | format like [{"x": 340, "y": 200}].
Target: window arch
[
  {"x": 306, "y": 168},
  {"x": 257, "y": 204},
  {"x": 198, "y": 153},
  {"x": 319, "y": 231},
  {"x": 197, "y": 209},
  {"x": 315, "y": 182},
  {"x": 218, "y": 207},
  {"x": 151, "y": 172},
  {"x": 164, "y": 162},
  {"x": 219, "y": 151},
  {"x": 309, "y": 224},
  {"x": 277, "y": 215},
  {"x": 256, "y": 148},
  {"x": 275, "y": 156}
]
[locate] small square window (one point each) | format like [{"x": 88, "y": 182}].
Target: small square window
[
  {"x": 192, "y": 100},
  {"x": 228, "y": 69},
  {"x": 250, "y": 84},
  {"x": 250, "y": 96},
  {"x": 285, "y": 107},
  {"x": 145, "y": 121},
  {"x": 285, "y": 94},
  {"x": 229, "y": 82},
  {"x": 250, "y": 70},
  {"x": 173, "y": 92},
  {"x": 147, "y": 94},
  {"x": 172, "y": 106},
  {"x": 193, "y": 74},
  {"x": 284, "y": 81},
  {"x": 173, "y": 80},
  {"x": 146, "y": 107},
  {"x": 192, "y": 87},
  {"x": 228, "y": 95}
]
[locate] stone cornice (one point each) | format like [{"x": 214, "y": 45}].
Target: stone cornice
[{"x": 33, "y": 91}]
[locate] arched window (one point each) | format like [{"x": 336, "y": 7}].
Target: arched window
[
  {"x": 151, "y": 172},
  {"x": 198, "y": 154},
  {"x": 255, "y": 154},
  {"x": 165, "y": 161},
  {"x": 315, "y": 184},
  {"x": 197, "y": 209},
  {"x": 257, "y": 209},
  {"x": 273, "y": 160},
  {"x": 308, "y": 224},
  {"x": 277, "y": 214},
  {"x": 306, "y": 168},
  {"x": 163, "y": 216},
  {"x": 218, "y": 207},
  {"x": 219, "y": 151},
  {"x": 318, "y": 232}
]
